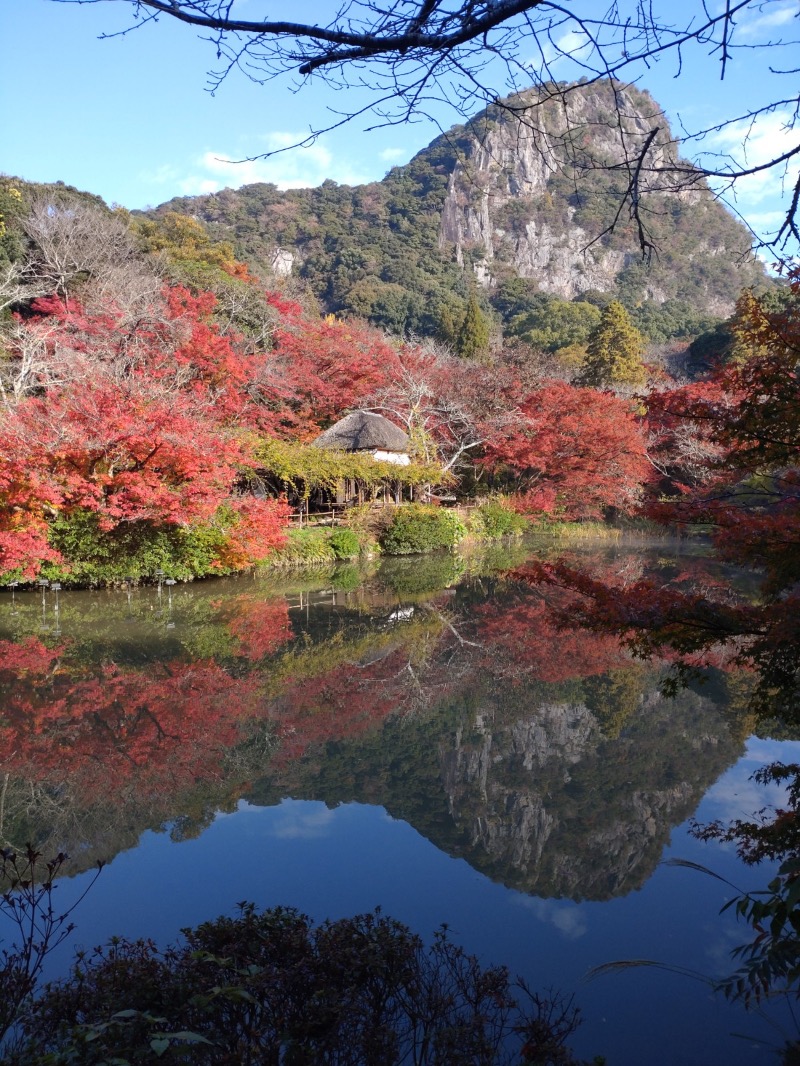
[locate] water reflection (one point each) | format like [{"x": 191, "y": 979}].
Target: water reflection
[{"x": 433, "y": 688}]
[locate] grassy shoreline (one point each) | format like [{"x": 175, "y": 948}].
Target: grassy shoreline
[{"x": 458, "y": 530}]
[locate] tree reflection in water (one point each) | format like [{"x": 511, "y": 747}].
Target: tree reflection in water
[{"x": 466, "y": 711}]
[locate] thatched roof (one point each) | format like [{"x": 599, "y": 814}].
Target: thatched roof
[{"x": 363, "y": 431}]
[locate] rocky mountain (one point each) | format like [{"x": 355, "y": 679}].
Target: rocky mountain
[
  {"x": 521, "y": 202},
  {"x": 528, "y": 787},
  {"x": 549, "y": 805}
]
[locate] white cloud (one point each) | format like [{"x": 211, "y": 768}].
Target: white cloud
[
  {"x": 567, "y": 918},
  {"x": 575, "y": 44},
  {"x": 767, "y": 20},
  {"x": 291, "y": 168},
  {"x": 736, "y": 795},
  {"x": 391, "y": 155},
  {"x": 764, "y": 221},
  {"x": 572, "y": 45},
  {"x": 299, "y": 820},
  {"x": 759, "y": 197}
]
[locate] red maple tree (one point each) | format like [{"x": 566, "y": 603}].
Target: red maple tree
[{"x": 573, "y": 451}]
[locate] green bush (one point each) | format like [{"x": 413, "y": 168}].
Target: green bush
[
  {"x": 304, "y": 547},
  {"x": 136, "y": 549},
  {"x": 421, "y": 577},
  {"x": 345, "y": 543},
  {"x": 314, "y": 546},
  {"x": 495, "y": 519},
  {"x": 419, "y": 528},
  {"x": 369, "y": 523},
  {"x": 347, "y": 577}
]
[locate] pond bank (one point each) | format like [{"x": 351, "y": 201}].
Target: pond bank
[{"x": 412, "y": 529}]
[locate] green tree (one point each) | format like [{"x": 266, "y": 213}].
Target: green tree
[
  {"x": 450, "y": 319},
  {"x": 614, "y": 350},
  {"x": 11, "y": 208},
  {"x": 556, "y": 323},
  {"x": 473, "y": 337}
]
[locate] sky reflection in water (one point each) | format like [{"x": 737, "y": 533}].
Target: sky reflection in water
[{"x": 458, "y": 763}]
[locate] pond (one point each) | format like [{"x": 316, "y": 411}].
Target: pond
[{"x": 412, "y": 734}]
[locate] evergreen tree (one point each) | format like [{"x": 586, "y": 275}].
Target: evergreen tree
[
  {"x": 614, "y": 351},
  {"x": 473, "y": 337},
  {"x": 450, "y": 321}
]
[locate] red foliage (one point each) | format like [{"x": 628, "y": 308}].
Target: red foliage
[
  {"x": 530, "y": 640},
  {"x": 260, "y": 626},
  {"x": 680, "y": 446},
  {"x": 576, "y": 451},
  {"x": 322, "y": 368},
  {"x": 153, "y": 433},
  {"x": 731, "y": 449},
  {"x": 31, "y": 657},
  {"x": 163, "y": 728},
  {"x": 750, "y": 415}
]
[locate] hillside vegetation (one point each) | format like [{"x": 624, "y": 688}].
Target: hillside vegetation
[
  {"x": 158, "y": 395},
  {"x": 500, "y": 207}
]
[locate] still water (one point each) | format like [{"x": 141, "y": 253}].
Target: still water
[{"x": 416, "y": 735}]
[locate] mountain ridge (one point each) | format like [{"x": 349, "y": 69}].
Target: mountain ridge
[{"x": 527, "y": 189}]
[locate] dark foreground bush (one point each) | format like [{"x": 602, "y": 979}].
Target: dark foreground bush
[
  {"x": 269, "y": 988},
  {"x": 418, "y": 528}
]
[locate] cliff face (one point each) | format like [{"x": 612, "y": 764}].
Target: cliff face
[
  {"x": 530, "y": 188},
  {"x": 548, "y": 805},
  {"x": 529, "y": 787},
  {"x": 537, "y": 188}
]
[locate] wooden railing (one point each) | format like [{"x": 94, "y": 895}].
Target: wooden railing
[{"x": 316, "y": 518}]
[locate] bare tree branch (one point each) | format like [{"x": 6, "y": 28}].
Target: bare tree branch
[{"x": 413, "y": 54}]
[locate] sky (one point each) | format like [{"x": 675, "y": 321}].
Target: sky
[{"x": 130, "y": 118}]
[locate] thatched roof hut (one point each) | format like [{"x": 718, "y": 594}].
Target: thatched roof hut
[{"x": 363, "y": 431}]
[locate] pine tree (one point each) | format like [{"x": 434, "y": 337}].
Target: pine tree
[
  {"x": 614, "y": 351},
  {"x": 473, "y": 337}
]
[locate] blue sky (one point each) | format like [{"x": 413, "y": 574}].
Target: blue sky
[{"x": 130, "y": 118}]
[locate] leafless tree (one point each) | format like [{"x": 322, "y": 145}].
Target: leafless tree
[
  {"x": 78, "y": 249},
  {"x": 72, "y": 242},
  {"x": 411, "y": 55},
  {"x": 33, "y": 358},
  {"x": 243, "y": 309},
  {"x": 20, "y": 281},
  {"x": 448, "y": 406},
  {"x": 84, "y": 251}
]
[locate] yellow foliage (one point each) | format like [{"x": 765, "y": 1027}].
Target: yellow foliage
[
  {"x": 14, "y": 194},
  {"x": 182, "y": 238},
  {"x": 307, "y": 468}
]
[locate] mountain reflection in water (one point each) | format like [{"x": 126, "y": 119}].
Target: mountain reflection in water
[{"x": 548, "y": 759}]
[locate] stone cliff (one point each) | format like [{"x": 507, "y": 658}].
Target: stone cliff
[
  {"x": 532, "y": 188},
  {"x": 537, "y": 188},
  {"x": 548, "y": 805}
]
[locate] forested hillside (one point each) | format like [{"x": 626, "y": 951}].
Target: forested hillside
[
  {"x": 502, "y": 207},
  {"x": 159, "y": 396}
]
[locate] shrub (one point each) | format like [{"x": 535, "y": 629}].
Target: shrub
[
  {"x": 137, "y": 549},
  {"x": 422, "y": 576},
  {"x": 495, "y": 519},
  {"x": 304, "y": 547},
  {"x": 367, "y": 522},
  {"x": 419, "y": 528},
  {"x": 270, "y": 987},
  {"x": 346, "y": 578},
  {"x": 345, "y": 543}
]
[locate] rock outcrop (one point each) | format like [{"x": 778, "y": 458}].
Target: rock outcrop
[
  {"x": 549, "y": 805},
  {"x": 538, "y": 187}
]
